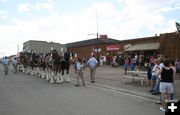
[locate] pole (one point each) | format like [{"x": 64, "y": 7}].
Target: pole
[
  {"x": 97, "y": 32},
  {"x": 18, "y": 48}
]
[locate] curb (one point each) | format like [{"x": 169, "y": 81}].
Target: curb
[{"x": 123, "y": 91}]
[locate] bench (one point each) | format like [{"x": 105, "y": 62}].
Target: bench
[{"x": 142, "y": 79}]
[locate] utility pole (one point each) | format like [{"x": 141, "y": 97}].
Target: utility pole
[
  {"x": 18, "y": 48},
  {"x": 97, "y": 48}
]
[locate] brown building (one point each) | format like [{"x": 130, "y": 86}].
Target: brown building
[
  {"x": 167, "y": 44},
  {"x": 95, "y": 46}
]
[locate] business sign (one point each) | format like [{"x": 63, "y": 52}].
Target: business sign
[
  {"x": 103, "y": 37},
  {"x": 127, "y": 46},
  {"x": 112, "y": 47}
]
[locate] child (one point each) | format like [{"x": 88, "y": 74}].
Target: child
[{"x": 79, "y": 67}]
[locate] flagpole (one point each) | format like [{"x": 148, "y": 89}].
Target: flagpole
[
  {"x": 17, "y": 48},
  {"x": 97, "y": 31}
]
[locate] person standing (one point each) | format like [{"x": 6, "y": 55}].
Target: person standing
[
  {"x": 14, "y": 63},
  {"x": 166, "y": 83},
  {"x": 126, "y": 64},
  {"x": 92, "y": 63},
  {"x": 5, "y": 65},
  {"x": 177, "y": 65},
  {"x": 79, "y": 69},
  {"x": 154, "y": 76}
]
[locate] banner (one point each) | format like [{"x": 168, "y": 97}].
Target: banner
[{"x": 112, "y": 47}]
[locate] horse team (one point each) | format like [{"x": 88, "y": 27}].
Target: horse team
[{"x": 51, "y": 66}]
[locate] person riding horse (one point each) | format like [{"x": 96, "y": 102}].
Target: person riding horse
[{"x": 66, "y": 62}]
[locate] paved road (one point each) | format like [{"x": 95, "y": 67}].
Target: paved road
[{"x": 22, "y": 94}]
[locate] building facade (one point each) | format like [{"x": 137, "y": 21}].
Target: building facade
[
  {"x": 166, "y": 44},
  {"x": 94, "y": 46},
  {"x": 43, "y": 46}
]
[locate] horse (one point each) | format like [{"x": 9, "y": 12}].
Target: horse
[
  {"x": 23, "y": 60},
  {"x": 55, "y": 60},
  {"x": 65, "y": 64},
  {"x": 59, "y": 65}
]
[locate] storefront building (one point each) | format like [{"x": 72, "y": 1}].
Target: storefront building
[{"x": 167, "y": 44}]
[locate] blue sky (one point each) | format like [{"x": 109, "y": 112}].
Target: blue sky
[{"x": 65, "y": 21}]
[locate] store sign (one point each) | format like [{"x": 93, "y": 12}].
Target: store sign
[
  {"x": 112, "y": 47},
  {"x": 127, "y": 46},
  {"x": 103, "y": 37}
]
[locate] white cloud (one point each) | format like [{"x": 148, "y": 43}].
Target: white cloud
[
  {"x": 24, "y": 7},
  {"x": 3, "y": 0},
  {"x": 37, "y": 6},
  {"x": 3, "y": 17},
  {"x": 3, "y": 14},
  {"x": 129, "y": 22}
]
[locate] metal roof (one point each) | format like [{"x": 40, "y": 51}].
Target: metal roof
[{"x": 92, "y": 42}]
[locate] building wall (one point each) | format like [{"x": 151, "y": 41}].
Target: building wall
[
  {"x": 169, "y": 45},
  {"x": 86, "y": 51},
  {"x": 43, "y": 46}
]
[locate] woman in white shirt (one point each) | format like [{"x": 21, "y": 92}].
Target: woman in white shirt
[{"x": 79, "y": 69}]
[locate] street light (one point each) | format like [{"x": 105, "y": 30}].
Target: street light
[{"x": 97, "y": 35}]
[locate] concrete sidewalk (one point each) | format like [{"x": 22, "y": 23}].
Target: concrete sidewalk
[{"x": 110, "y": 78}]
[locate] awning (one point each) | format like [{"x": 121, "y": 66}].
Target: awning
[{"x": 145, "y": 46}]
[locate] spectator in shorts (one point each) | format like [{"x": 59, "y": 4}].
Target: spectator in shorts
[
  {"x": 166, "y": 83},
  {"x": 154, "y": 75},
  {"x": 149, "y": 72},
  {"x": 126, "y": 64},
  {"x": 172, "y": 65}
]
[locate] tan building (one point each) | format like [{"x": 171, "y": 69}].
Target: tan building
[{"x": 43, "y": 46}]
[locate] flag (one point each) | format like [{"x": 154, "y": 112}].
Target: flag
[{"x": 178, "y": 27}]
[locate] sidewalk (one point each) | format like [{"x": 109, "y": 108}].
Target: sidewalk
[{"x": 110, "y": 77}]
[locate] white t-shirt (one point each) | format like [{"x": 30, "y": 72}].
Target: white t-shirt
[
  {"x": 79, "y": 66},
  {"x": 160, "y": 66},
  {"x": 155, "y": 70}
]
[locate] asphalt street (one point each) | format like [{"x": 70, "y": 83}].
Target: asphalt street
[{"x": 22, "y": 94}]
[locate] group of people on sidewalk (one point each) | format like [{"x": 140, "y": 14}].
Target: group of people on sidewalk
[
  {"x": 162, "y": 74},
  {"x": 6, "y": 64}
]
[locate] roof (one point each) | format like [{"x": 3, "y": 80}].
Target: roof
[
  {"x": 91, "y": 42},
  {"x": 145, "y": 46}
]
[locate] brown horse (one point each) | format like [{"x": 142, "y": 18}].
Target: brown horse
[
  {"x": 23, "y": 60},
  {"x": 55, "y": 60},
  {"x": 59, "y": 65}
]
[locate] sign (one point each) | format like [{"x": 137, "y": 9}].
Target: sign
[
  {"x": 127, "y": 46},
  {"x": 103, "y": 37},
  {"x": 112, "y": 47}
]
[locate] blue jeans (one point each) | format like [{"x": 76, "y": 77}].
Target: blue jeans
[
  {"x": 157, "y": 85},
  {"x": 132, "y": 66}
]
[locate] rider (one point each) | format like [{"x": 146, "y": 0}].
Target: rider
[
  {"x": 5, "y": 64},
  {"x": 67, "y": 55},
  {"x": 14, "y": 62}
]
